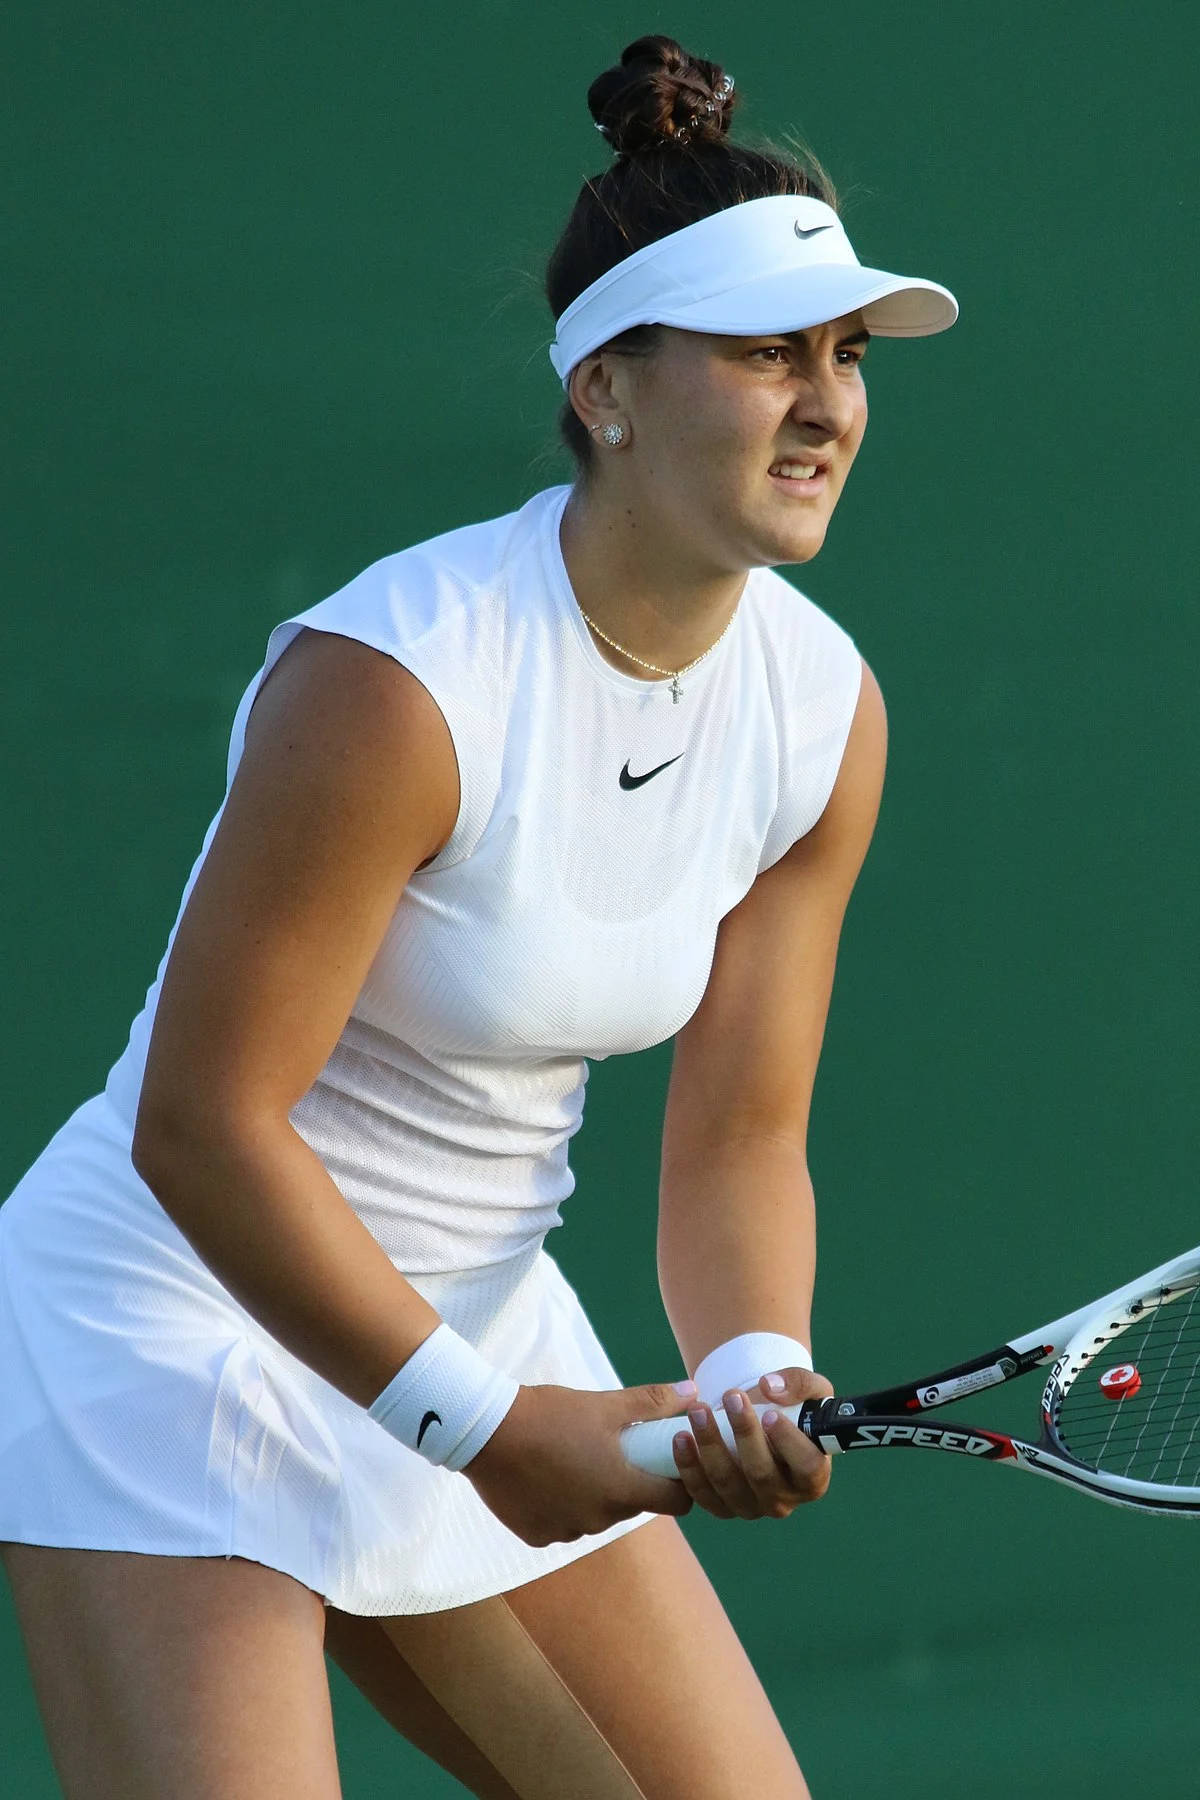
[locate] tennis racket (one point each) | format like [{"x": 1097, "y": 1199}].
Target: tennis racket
[{"x": 1120, "y": 1410}]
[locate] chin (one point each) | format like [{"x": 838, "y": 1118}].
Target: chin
[
  {"x": 788, "y": 540},
  {"x": 798, "y": 548}
]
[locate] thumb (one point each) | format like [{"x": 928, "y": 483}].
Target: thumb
[
  {"x": 788, "y": 1387},
  {"x": 656, "y": 1400}
]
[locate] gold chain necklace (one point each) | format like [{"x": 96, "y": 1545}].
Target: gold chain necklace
[{"x": 676, "y": 690}]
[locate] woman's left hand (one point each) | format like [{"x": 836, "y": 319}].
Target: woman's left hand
[{"x": 776, "y": 1469}]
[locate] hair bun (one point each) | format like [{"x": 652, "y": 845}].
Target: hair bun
[{"x": 658, "y": 95}]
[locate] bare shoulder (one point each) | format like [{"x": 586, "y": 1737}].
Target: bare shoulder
[
  {"x": 341, "y": 725},
  {"x": 843, "y": 832},
  {"x": 347, "y": 783},
  {"x": 326, "y": 687},
  {"x": 871, "y": 713},
  {"x": 866, "y": 747},
  {"x": 772, "y": 974}
]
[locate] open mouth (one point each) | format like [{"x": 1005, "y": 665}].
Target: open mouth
[{"x": 801, "y": 477}]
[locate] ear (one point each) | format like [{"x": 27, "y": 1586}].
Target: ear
[{"x": 598, "y": 390}]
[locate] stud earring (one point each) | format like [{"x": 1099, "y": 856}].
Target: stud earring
[{"x": 613, "y": 435}]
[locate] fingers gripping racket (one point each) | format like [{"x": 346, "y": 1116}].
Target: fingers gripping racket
[{"x": 1120, "y": 1410}]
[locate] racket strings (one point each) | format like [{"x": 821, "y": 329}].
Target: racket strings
[
  {"x": 1153, "y": 1433},
  {"x": 1188, "y": 1325}
]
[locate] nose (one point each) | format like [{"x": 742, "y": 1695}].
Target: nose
[{"x": 825, "y": 407}]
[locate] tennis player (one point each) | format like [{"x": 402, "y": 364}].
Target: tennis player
[{"x": 286, "y": 1366}]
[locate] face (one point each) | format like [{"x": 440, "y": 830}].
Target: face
[{"x": 741, "y": 446}]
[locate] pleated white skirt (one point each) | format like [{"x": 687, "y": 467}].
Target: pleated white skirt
[{"x": 143, "y": 1409}]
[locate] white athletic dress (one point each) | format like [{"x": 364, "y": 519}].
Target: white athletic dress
[{"x": 604, "y": 831}]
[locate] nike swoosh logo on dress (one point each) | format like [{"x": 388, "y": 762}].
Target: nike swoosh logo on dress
[
  {"x": 628, "y": 781},
  {"x": 431, "y": 1418}
]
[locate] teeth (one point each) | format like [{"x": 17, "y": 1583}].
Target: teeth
[{"x": 795, "y": 471}]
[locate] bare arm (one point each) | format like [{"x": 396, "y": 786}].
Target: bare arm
[
  {"x": 736, "y": 1228},
  {"x": 348, "y": 782}
]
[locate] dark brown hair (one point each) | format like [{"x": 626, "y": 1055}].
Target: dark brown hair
[{"x": 666, "y": 115}]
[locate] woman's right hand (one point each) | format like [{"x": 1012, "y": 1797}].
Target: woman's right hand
[{"x": 554, "y": 1470}]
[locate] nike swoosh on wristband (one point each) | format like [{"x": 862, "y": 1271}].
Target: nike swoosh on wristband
[
  {"x": 431, "y": 1418},
  {"x": 629, "y": 782},
  {"x": 811, "y": 232}
]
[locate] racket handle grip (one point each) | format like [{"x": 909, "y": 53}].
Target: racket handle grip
[{"x": 648, "y": 1446}]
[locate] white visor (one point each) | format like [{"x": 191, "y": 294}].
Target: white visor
[{"x": 754, "y": 270}]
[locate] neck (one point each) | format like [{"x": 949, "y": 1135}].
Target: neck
[{"x": 643, "y": 587}]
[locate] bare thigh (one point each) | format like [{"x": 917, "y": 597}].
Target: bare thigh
[
  {"x": 614, "y": 1678},
  {"x": 363, "y": 1651},
  {"x": 198, "y": 1678}
]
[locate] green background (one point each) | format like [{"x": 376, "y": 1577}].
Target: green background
[{"x": 272, "y": 296}]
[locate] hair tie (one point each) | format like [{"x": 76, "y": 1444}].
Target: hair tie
[{"x": 721, "y": 94}]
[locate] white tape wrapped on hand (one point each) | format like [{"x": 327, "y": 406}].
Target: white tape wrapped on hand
[
  {"x": 744, "y": 1360},
  {"x": 446, "y": 1401},
  {"x": 740, "y": 1363}
]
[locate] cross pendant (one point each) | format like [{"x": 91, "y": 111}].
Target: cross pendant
[{"x": 676, "y": 690}]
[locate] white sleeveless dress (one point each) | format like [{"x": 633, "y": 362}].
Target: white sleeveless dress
[{"x": 603, "y": 832}]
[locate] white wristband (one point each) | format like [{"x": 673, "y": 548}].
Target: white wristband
[
  {"x": 446, "y": 1401},
  {"x": 744, "y": 1360}
]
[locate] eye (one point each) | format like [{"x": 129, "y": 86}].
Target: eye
[
  {"x": 773, "y": 355},
  {"x": 848, "y": 356}
]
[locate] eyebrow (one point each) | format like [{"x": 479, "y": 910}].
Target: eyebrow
[{"x": 853, "y": 337}]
